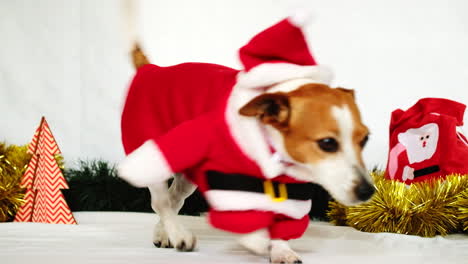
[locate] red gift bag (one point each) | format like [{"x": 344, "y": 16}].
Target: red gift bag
[{"x": 426, "y": 141}]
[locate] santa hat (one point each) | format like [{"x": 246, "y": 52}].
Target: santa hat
[{"x": 280, "y": 53}]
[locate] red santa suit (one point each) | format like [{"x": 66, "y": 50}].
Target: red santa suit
[
  {"x": 184, "y": 118},
  {"x": 425, "y": 142}
]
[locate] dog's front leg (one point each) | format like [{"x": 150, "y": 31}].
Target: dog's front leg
[
  {"x": 280, "y": 252},
  {"x": 257, "y": 242},
  {"x": 168, "y": 231}
]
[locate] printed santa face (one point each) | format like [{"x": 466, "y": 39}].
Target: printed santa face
[{"x": 420, "y": 143}]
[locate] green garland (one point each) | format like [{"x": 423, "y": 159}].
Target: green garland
[{"x": 94, "y": 186}]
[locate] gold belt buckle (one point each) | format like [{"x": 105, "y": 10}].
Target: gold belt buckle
[{"x": 268, "y": 189}]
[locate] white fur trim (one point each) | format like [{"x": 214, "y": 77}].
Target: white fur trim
[
  {"x": 267, "y": 74},
  {"x": 301, "y": 18},
  {"x": 290, "y": 85},
  {"x": 247, "y": 132},
  {"x": 145, "y": 166},
  {"x": 241, "y": 201},
  {"x": 275, "y": 139}
]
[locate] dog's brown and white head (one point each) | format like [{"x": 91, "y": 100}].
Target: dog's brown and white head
[{"x": 321, "y": 131}]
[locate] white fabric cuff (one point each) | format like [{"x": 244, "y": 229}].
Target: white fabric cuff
[
  {"x": 223, "y": 200},
  {"x": 145, "y": 166},
  {"x": 267, "y": 74}
]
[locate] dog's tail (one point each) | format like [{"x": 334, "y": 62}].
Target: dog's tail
[{"x": 137, "y": 56}]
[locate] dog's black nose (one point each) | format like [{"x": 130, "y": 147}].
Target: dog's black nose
[{"x": 364, "y": 190}]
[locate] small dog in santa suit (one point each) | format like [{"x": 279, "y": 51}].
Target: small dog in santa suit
[{"x": 251, "y": 140}]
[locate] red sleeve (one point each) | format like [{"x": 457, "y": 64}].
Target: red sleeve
[
  {"x": 158, "y": 158},
  {"x": 187, "y": 144}
]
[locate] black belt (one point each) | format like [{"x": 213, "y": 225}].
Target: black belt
[
  {"x": 277, "y": 191},
  {"x": 426, "y": 171}
]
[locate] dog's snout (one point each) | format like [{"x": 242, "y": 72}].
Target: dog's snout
[{"x": 364, "y": 190}]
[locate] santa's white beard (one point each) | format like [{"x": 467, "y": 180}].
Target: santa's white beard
[
  {"x": 419, "y": 153},
  {"x": 411, "y": 139}
]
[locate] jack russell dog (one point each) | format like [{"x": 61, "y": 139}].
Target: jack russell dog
[{"x": 251, "y": 140}]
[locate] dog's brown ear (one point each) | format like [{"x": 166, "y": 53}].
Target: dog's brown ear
[
  {"x": 270, "y": 108},
  {"x": 349, "y": 91}
]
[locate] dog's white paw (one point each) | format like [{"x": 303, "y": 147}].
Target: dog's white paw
[
  {"x": 181, "y": 238},
  {"x": 257, "y": 242},
  {"x": 160, "y": 237},
  {"x": 280, "y": 252},
  {"x": 174, "y": 235}
]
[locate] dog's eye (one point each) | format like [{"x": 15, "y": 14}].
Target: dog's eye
[
  {"x": 364, "y": 141},
  {"x": 328, "y": 144}
]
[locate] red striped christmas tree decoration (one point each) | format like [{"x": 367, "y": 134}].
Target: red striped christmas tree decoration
[{"x": 43, "y": 179}]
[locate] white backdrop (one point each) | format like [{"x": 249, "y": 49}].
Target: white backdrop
[{"x": 67, "y": 60}]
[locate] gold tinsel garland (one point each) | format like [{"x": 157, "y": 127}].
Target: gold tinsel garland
[
  {"x": 427, "y": 209},
  {"x": 13, "y": 162},
  {"x": 462, "y": 205}
]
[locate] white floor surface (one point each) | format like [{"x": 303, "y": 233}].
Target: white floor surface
[{"x": 112, "y": 237}]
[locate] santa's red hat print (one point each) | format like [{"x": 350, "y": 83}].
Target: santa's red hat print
[{"x": 280, "y": 53}]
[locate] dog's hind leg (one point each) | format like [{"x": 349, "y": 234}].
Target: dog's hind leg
[
  {"x": 166, "y": 202},
  {"x": 180, "y": 189}
]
